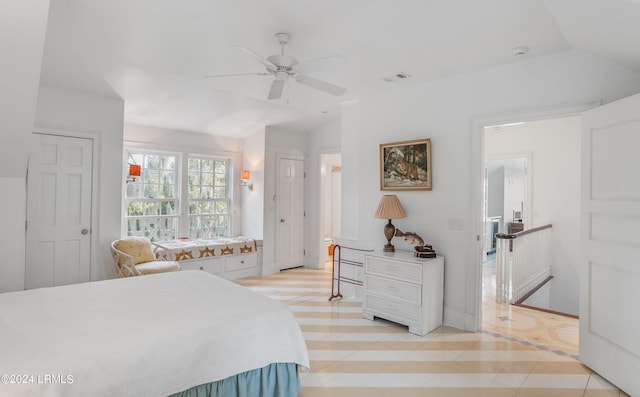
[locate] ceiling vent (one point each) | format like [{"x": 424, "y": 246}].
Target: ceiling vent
[
  {"x": 522, "y": 50},
  {"x": 397, "y": 76}
]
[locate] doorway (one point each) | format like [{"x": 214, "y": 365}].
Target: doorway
[
  {"x": 551, "y": 146},
  {"x": 290, "y": 213},
  {"x": 536, "y": 188},
  {"x": 59, "y": 197},
  {"x": 330, "y": 190}
]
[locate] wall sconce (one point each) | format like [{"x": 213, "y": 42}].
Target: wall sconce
[
  {"x": 134, "y": 172},
  {"x": 245, "y": 175}
]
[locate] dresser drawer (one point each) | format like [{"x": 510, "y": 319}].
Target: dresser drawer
[
  {"x": 394, "y": 289},
  {"x": 411, "y": 272},
  {"x": 239, "y": 262},
  {"x": 210, "y": 265},
  {"x": 392, "y": 310}
]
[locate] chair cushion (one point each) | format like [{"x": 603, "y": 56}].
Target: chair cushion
[
  {"x": 158, "y": 267},
  {"x": 138, "y": 247}
]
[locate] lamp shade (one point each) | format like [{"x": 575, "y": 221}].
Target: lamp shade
[
  {"x": 245, "y": 175},
  {"x": 390, "y": 208},
  {"x": 134, "y": 170}
]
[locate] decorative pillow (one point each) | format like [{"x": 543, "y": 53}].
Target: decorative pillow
[{"x": 138, "y": 247}]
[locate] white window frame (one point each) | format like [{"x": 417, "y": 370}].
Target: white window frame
[
  {"x": 227, "y": 199},
  {"x": 182, "y": 207},
  {"x": 160, "y": 233}
]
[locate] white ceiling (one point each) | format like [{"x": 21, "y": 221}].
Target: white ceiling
[{"x": 155, "y": 53}]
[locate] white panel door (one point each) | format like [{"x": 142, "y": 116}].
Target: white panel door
[
  {"x": 290, "y": 219},
  {"x": 610, "y": 266},
  {"x": 58, "y": 211}
]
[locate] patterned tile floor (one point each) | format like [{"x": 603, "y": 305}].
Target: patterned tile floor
[{"x": 519, "y": 352}]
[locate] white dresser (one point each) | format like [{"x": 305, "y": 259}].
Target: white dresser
[{"x": 402, "y": 288}]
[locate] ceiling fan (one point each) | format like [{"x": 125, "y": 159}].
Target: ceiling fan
[{"x": 282, "y": 67}]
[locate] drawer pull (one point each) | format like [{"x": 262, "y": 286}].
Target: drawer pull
[
  {"x": 201, "y": 268},
  {"x": 241, "y": 261}
]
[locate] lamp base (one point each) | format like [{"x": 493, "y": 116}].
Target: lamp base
[{"x": 389, "y": 232}]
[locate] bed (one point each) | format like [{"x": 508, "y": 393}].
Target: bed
[{"x": 184, "y": 333}]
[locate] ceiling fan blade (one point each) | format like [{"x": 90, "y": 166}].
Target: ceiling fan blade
[
  {"x": 276, "y": 89},
  {"x": 238, "y": 74},
  {"x": 257, "y": 57},
  {"x": 321, "y": 85},
  {"x": 319, "y": 65}
]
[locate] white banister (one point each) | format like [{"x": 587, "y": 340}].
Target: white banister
[{"x": 523, "y": 261}]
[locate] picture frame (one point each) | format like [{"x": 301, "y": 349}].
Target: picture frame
[{"x": 406, "y": 165}]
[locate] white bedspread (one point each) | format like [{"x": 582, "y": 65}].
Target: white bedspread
[{"x": 141, "y": 336}]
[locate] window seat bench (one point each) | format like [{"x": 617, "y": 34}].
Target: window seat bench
[{"x": 228, "y": 257}]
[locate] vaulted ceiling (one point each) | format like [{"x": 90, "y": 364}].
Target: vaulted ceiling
[{"x": 155, "y": 54}]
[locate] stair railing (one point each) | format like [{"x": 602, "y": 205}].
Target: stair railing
[{"x": 523, "y": 261}]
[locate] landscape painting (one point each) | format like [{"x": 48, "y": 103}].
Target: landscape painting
[{"x": 406, "y": 165}]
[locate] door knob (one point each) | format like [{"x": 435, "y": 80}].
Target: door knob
[
  {"x": 281, "y": 220},
  {"x": 85, "y": 231}
]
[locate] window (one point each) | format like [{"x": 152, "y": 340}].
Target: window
[
  {"x": 208, "y": 197},
  {"x": 153, "y": 201}
]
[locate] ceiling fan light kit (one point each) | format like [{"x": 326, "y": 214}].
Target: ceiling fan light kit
[{"x": 283, "y": 66}]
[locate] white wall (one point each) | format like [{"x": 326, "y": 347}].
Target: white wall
[
  {"x": 495, "y": 187},
  {"x": 514, "y": 188},
  {"x": 22, "y": 42},
  {"x": 70, "y": 112},
  {"x": 350, "y": 137},
  {"x": 445, "y": 111},
  {"x": 12, "y": 233},
  {"x": 24, "y": 25},
  {"x": 253, "y": 158},
  {"x": 194, "y": 142},
  {"x": 555, "y": 148}
]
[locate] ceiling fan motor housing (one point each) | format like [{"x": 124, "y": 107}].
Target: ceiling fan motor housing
[
  {"x": 283, "y": 62},
  {"x": 281, "y": 75}
]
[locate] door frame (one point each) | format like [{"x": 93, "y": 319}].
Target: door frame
[
  {"x": 288, "y": 156},
  {"x": 95, "y": 273},
  {"x": 473, "y": 320}
]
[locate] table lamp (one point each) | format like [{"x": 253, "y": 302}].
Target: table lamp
[{"x": 390, "y": 208}]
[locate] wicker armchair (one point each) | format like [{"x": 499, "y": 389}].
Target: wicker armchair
[{"x": 133, "y": 256}]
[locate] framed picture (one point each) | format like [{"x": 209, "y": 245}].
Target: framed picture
[{"x": 406, "y": 165}]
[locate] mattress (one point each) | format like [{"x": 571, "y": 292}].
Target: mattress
[{"x": 153, "y": 335}]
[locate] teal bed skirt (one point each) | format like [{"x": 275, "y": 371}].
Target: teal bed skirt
[{"x": 275, "y": 380}]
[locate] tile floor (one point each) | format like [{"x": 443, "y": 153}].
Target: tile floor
[{"x": 519, "y": 352}]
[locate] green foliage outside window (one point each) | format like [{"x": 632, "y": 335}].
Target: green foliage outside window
[{"x": 152, "y": 202}]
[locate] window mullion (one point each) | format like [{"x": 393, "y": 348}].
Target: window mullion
[{"x": 184, "y": 196}]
